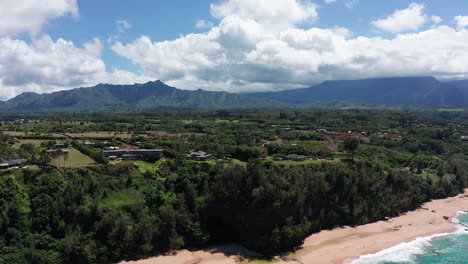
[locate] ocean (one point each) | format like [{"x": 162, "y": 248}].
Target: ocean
[{"x": 449, "y": 248}]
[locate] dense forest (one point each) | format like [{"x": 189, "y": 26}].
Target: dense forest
[{"x": 246, "y": 193}]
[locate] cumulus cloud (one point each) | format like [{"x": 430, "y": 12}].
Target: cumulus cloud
[
  {"x": 30, "y": 16},
  {"x": 403, "y": 20},
  {"x": 351, "y": 3},
  {"x": 256, "y": 45},
  {"x": 462, "y": 21},
  {"x": 243, "y": 54},
  {"x": 46, "y": 65},
  {"x": 123, "y": 25},
  {"x": 278, "y": 14},
  {"x": 436, "y": 19},
  {"x": 42, "y": 64},
  {"x": 202, "y": 23}
]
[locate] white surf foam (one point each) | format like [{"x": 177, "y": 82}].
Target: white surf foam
[{"x": 406, "y": 252}]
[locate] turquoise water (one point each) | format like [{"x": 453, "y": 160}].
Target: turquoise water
[{"x": 441, "y": 249}]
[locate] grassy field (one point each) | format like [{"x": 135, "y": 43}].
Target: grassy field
[
  {"x": 100, "y": 135},
  {"x": 24, "y": 134},
  {"x": 36, "y": 142},
  {"x": 238, "y": 162},
  {"x": 75, "y": 159},
  {"x": 121, "y": 199},
  {"x": 146, "y": 167}
]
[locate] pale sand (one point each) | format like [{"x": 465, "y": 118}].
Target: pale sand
[
  {"x": 344, "y": 244},
  {"x": 228, "y": 254}
]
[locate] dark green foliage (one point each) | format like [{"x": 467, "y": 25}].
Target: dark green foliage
[
  {"x": 84, "y": 216},
  {"x": 112, "y": 212},
  {"x": 350, "y": 145}
]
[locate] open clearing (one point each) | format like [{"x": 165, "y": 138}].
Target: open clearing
[
  {"x": 121, "y": 199},
  {"x": 100, "y": 135},
  {"x": 75, "y": 159},
  {"x": 36, "y": 142},
  {"x": 25, "y": 134}
]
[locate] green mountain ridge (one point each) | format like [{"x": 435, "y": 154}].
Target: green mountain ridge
[
  {"x": 383, "y": 92},
  {"x": 138, "y": 96},
  {"x": 404, "y": 91}
]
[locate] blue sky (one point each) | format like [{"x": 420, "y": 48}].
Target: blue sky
[{"x": 238, "y": 45}]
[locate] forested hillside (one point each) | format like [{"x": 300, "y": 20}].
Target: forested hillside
[
  {"x": 120, "y": 98},
  {"x": 404, "y": 91},
  {"x": 274, "y": 178}
]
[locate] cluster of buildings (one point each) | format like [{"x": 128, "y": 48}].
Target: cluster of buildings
[
  {"x": 343, "y": 135},
  {"x": 19, "y": 122},
  {"x": 13, "y": 163},
  {"x": 114, "y": 153},
  {"x": 198, "y": 155},
  {"x": 133, "y": 154}
]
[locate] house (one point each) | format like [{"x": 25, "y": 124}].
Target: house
[
  {"x": 133, "y": 154},
  {"x": 296, "y": 157},
  {"x": 13, "y": 163},
  {"x": 198, "y": 155},
  {"x": 392, "y": 136}
]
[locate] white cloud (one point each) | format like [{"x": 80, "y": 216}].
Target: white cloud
[
  {"x": 202, "y": 23},
  {"x": 329, "y": 1},
  {"x": 94, "y": 48},
  {"x": 462, "y": 21},
  {"x": 257, "y": 45},
  {"x": 242, "y": 54},
  {"x": 351, "y": 3},
  {"x": 403, "y": 20},
  {"x": 123, "y": 25},
  {"x": 278, "y": 14},
  {"x": 18, "y": 17},
  {"x": 436, "y": 19},
  {"x": 46, "y": 65}
]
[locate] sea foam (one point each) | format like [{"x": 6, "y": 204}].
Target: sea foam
[{"x": 406, "y": 252}]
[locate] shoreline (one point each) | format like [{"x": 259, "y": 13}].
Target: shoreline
[
  {"x": 348, "y": 244},
  {"x": 341, "y": 245}
]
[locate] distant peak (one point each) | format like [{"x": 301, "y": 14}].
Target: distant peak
[
  {"x": 28, "y": 94},
  {"x": 155, "y": 82}
]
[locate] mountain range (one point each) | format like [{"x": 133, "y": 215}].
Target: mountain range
[
  {"x": 393, "y": 92},
  {"x": 132, "y": 97},
  {"x": 407, "y": 91}
]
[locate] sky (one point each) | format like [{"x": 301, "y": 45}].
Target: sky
[{"x": 226, "y": 45}]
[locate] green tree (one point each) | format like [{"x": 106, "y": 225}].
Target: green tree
[{"x": 350, "y": 145}]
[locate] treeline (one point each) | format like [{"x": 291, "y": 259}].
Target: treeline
[{"x": 93, "y": 216}]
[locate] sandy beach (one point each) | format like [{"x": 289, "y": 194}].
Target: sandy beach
[{"x": 344, "y": 244}]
